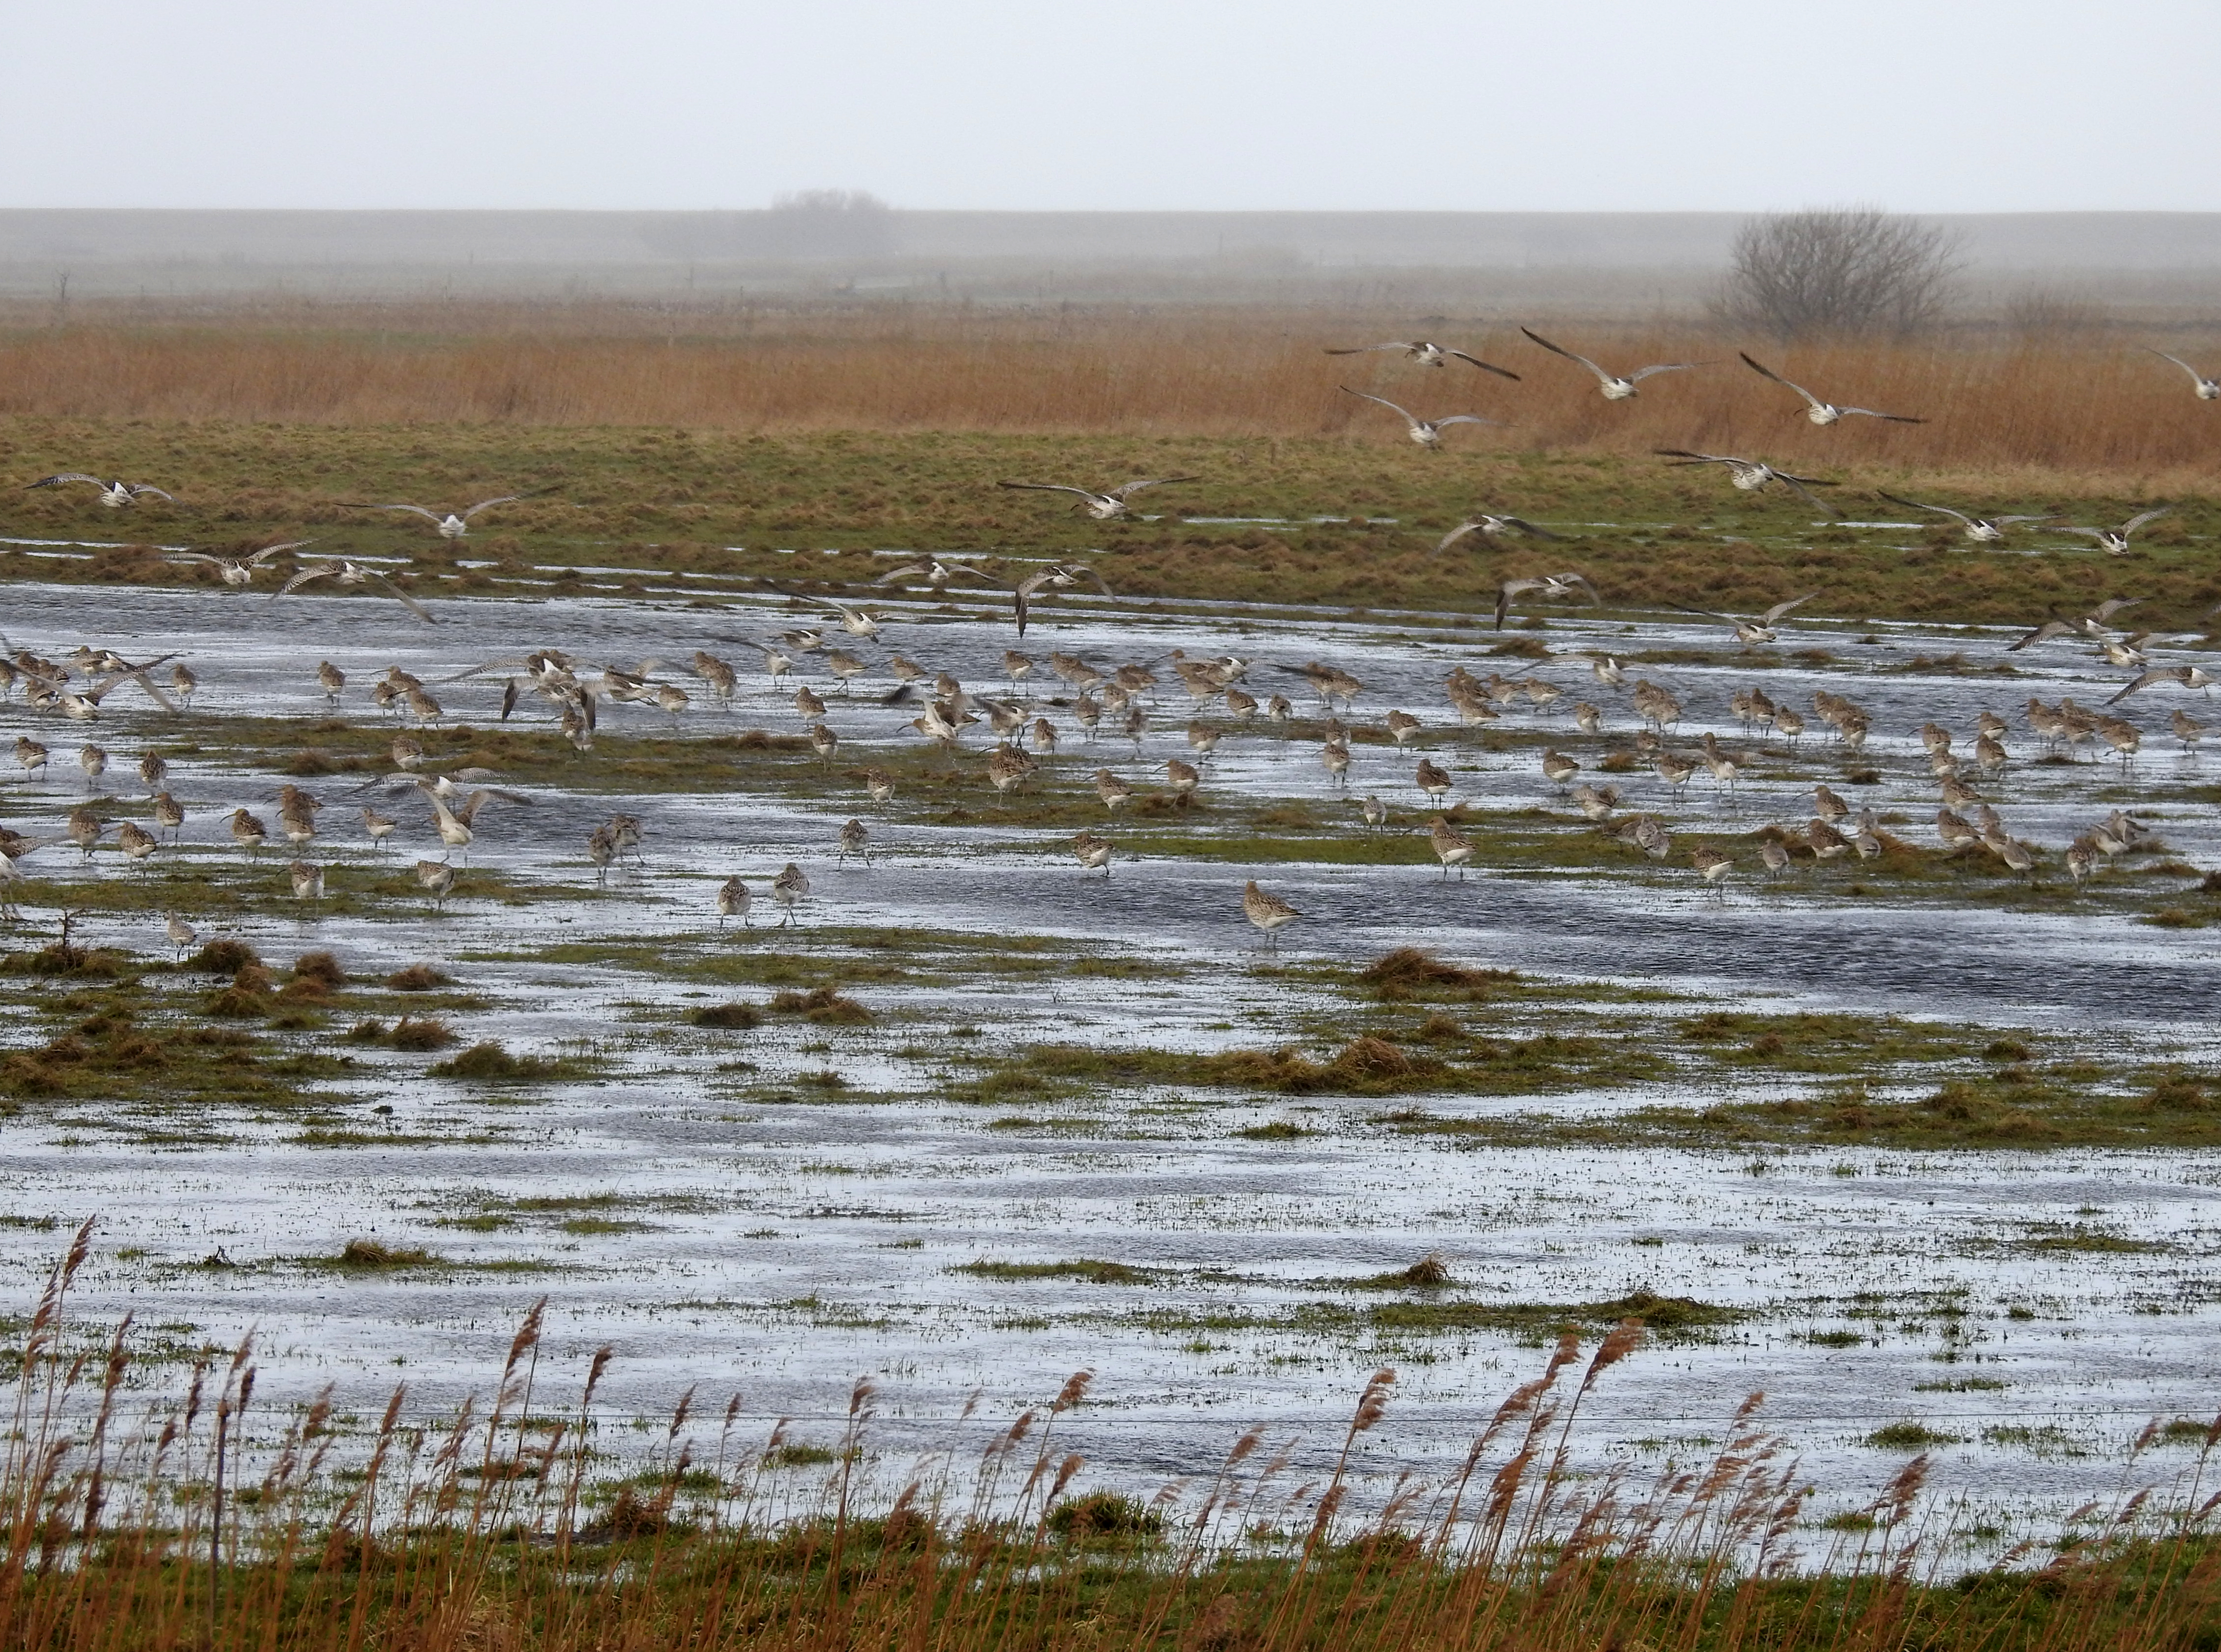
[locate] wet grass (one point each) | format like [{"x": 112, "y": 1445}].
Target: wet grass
[{"x": 665, "y": 504}]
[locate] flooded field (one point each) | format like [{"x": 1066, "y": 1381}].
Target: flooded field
[{"x": 1924, "y": 1147}]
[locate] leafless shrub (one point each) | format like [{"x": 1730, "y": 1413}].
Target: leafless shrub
[{"x": 1838, "y": 270}]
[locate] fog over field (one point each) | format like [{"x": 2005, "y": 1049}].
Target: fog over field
[{"x": 1620, "y": 264}]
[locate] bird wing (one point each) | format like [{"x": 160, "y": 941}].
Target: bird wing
[
  {"x": 2086, "y": 532},
  {"x": 1465, "y": 418},
  {"x": 2196, "y": 378},
  {"x": 298, "y": 580},
  {"x": 1768, "y": 372},
  {"x": 1687, "y": 458},
  {"x": 402, "y": 597},
  {"x": 1139, "y": 483},
  {"x": 2136, "y": 521},
  {"x": 428, "y": 515},
  {"x": 1529, "y": 527},
  {"x": 2047, "y": 517},
  {"x": 57, "y": 479},
  {"x": 1726, "y": 619},
  {"x": 1091, "y": 574},
  {"x": 139, "y": 677},
  {"x": 2043, "y": 633},
  {"x": 1774, "y": 613},
  {"x": 1641, "y": 373},
  {"x": 1802, "y": 485},
  {"x": 1048, "y": 487},
  {"x": 1485, "y": 367},
  {"x": 2165, "y": 673},
  {"x": 1560, "y": 349},
  {"x": 198, "y": 556},
  {"x": 1368, "y": 349},
  {"x": 138, "y": 488},
  {"x": 1569, "y": 578},
  {"x": 488, "y": 504},
  {"x": 257, "y": 559},
  {"x": 1937, "y": 509},
  {"x": 908, "y": 571},
  {"x": 2112, "y": 605},
  {"x": 1384, "y": 402},
  {"x": 1453, "y": 535},
  {"x": 1894, "y": 418}
]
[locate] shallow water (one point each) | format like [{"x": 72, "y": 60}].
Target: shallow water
[{"x": 763, "y": 1255}]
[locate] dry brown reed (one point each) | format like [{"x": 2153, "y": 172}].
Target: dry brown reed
[
  {"x": 203, "y": 1525},
  {"x": 2078, "y": 401}
]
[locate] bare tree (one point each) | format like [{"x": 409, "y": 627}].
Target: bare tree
[{"x": 1843, "y": 270}]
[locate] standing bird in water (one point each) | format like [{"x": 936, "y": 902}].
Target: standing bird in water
[
  {"x": 1269, "y": 912},
  {"x": 789, "y": 889},
  {"x": 734, "y": 901}
]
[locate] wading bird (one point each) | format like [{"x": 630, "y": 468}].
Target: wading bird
[
  {"x": 452, "y": 524},
  {"x": 237, "y": 571},
  {"x": 1112, "y": 501},
  {"x": 1492, "y": 528},
  {"x": 1983, "y": 530},
  {"x": 1818, "y": 411},
  {"x": 2114, "y": 542},
  {"x": 2208, "y": 390},
  {"x": 1269, "y": 912},
  {"x": 1751, "y": 633},
  {"x": 1752, "y": 475},
  {"x": 1549, "y": 588},
  {"x": 115, "y": 495},
  {"x": 1615, "y": 388},
  {"x": 1424, "y": 354},
  {"x": 1056, "y": 576},
  {"x": 1427, "y": 433},
  {"x": 353, "y": 573}
]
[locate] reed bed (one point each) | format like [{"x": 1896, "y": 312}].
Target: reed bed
[
  {"x": 201, "y": 1522},
  {"x": 2082, "y": 401}
]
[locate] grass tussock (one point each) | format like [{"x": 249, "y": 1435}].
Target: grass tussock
[
  {"x": 489, "y": 1063},
  {"x": 374, "y": 1256},
  {"x": 226, "y": 1521},
  {"x": 418, "y": 978},
  {"x": 827, "y": 1006},
  {"x": 415, "y": 1033},
  {"x": 1410, "y": 972},
  {"x": 733, "y": 1018}
]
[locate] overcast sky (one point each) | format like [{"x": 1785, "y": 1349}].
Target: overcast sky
[{"x": 1935, "y": 105}]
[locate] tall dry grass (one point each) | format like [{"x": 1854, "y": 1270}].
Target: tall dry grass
[
  {"x": 206, "y": 1522},
  {"x": 2072, "y": 400}
]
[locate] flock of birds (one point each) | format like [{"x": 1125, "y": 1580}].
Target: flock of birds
[{"x": 1124, "y": 697}]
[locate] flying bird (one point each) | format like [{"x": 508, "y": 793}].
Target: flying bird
[
  {"x": 1056, "y": 576},
  {"x": 452, "y": 524},
  {"x": 1751, "y": 633},
  {"x": 935, "y": 571},
  {"x": 1493, "y": 528},
  {"x": 1427, "y": 433},
  {"x": 2188, "y": 676},
  {"x": 1112, "y": 501},
  {"x": 1983, "y": 530},
  {"x": 114, "y": 495},
  {"x": 1549, "y": 588},
  {"x": 2209, "y": 390},
  {"x": 1615, "y": 388},
  {"x": 2114, "y": 542},
  {"x": 1752, "y": 475},
  {"x": 1430, "y": 355},
  {"x": 1818, "y": 411},
  {"x": 238, "y": 570},
  {"x": 353, "y": 573}
]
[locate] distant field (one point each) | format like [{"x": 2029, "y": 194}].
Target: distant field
[
  {"x": 724, "y": 502},
  {"x": 2079, "y": 405}
]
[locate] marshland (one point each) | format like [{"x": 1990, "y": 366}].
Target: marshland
[{"x": 1919, "y": 1143}]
